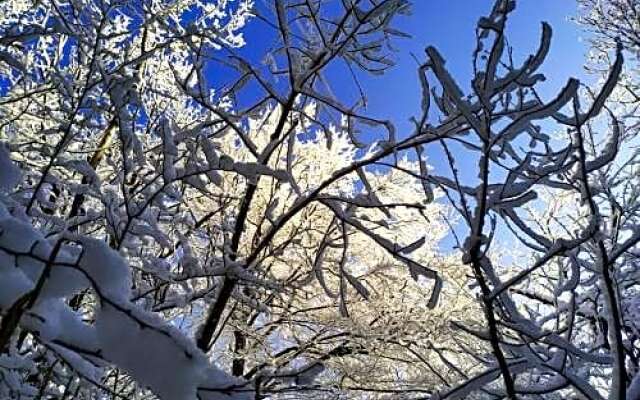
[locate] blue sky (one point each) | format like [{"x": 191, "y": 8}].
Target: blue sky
[{"x": 449, "y": 25}]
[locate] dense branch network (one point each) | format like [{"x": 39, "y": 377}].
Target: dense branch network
[{"x": 169, "y": 200}]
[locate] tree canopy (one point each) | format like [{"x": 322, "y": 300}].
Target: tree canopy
[{"x": 183, "y": 219}]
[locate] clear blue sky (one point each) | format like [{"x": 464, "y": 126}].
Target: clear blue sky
[{"x": 449, "y": 25}]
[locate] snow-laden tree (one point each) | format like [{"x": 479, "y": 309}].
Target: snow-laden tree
[
  {"x": 336, "y": 313},
  {"x": 549, "y": 231},
  {"x": 610, "y": 25},
  {"x": 170, "y": 206},
  {"x": 87, "y": 87},
  {"x": 183, "y": 219},
  {"x": 529, "y": 279}
]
